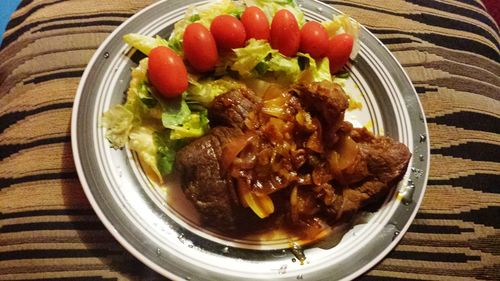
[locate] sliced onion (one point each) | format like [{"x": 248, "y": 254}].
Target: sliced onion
[
  {"x": 231, "y": 150},
  {"x": 273, "y": 91},
  {"x": 275, "y": 107},
  {"x": 348, "y": 150},
  {"x": 262, "y": 205},
  {"x": 344, "y": 155}
]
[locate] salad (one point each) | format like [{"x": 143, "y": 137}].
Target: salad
[{"x": 215, "y": 48}]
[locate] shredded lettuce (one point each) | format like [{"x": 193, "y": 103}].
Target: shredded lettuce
[
  {"x": 315, "y": 70},
  {"x": 165, "y": 160},
  {"x": 166, "y": 150},
  {"x": 248, "y": 57},
  {"x": 140, "y": 99},
  {"x": 142, "y": 142},
  {"x": 151, "y": 126},
  {"x": 175, "y": 113},
  {"x": 204, "y": 92},
  {"x": 259, "y": 60},
  {"x": 322, "y": 71},
  {"x": 135, "y": 122},
  {"x": 204, "y": 15},
  {"x": 118, "y": 121},
  {"x": 144, "y": 43},
  {"x": 182, "y": 121},
  {"x": 270, "y": 7},
  {"x": 285, "y": 68},
  {"x": 145, "y": 93},
  {"x": 195, "y": 125}
]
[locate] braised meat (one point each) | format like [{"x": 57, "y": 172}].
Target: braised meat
[
  {"x": 380, "y": 163},
  {"x": 329, "y": 102},
  {"x": 232, "y": 108},
  {"x": 205, "y": 183},
  {"x": 290, "y": 158}
]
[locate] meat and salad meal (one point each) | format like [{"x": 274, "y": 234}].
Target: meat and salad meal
[{"x": 241, "y": 102}]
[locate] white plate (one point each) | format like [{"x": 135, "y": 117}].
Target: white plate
[{"x": 137, "y": 214}]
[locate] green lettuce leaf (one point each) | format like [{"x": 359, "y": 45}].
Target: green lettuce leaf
[
  {"x": 175, "y": 113},
  {"x": 118, "y": 122},
  {"x": 145, "y": 94},
  {"x": 140, "y": 100},
  {"x": 139, "y": 109},
  {"x": 182, "y": 122},
  {"x": 166, "y": 150},
  {"x": 248, "y": 57},
  {"x": 322, "y": 71},
  {"x": 204, "y": 91},
  {"x": 144, "y": 43},
  {"x": 284, "y": 68},
  {"x": 259, "y": 60},
  {"x": 195, "y": 125},
  {"x": 165, "y": 161},
  {"x": 315, "y": 70},
  {"x": 142, "y": 142}
]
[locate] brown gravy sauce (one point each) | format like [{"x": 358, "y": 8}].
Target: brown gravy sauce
[{"x": 266, "y": 231}]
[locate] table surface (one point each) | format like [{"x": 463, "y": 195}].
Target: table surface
[{"x": 449, "y": 48}]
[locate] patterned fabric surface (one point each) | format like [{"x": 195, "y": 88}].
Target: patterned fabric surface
[{"x": 449, "y": 48}]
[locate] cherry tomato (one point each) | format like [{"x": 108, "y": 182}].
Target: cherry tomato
[
  {"x": 256, "y": 23},
  {"x": 228, "y": 31},
  {"x": 313, "y": 39},
  {"x": 199, "y": 47},
  {"x": 285, "y": 33},
  {"x": 338, "y": 51},
  {"x": 167, "y": 72}
]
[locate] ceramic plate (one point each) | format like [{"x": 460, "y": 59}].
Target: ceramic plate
[{"x": 140, "y": 217}]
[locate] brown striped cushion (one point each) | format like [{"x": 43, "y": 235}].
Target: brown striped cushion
[{"x": 450, "y": 49}]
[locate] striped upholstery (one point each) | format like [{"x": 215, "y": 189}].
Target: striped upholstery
[{"x": 450, "y": 49}]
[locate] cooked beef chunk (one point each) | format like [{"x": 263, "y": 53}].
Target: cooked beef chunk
[
  {"x": 387, "y": 159},
  {"x": 326, "y": 98},
  {"x": 205, "y": 183},
  {"x": 232, "y": 108},
  {"x": 382, "y": 157},
  {"x": 381, "y": 163},
  {"x": 329, "y": 102}
]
